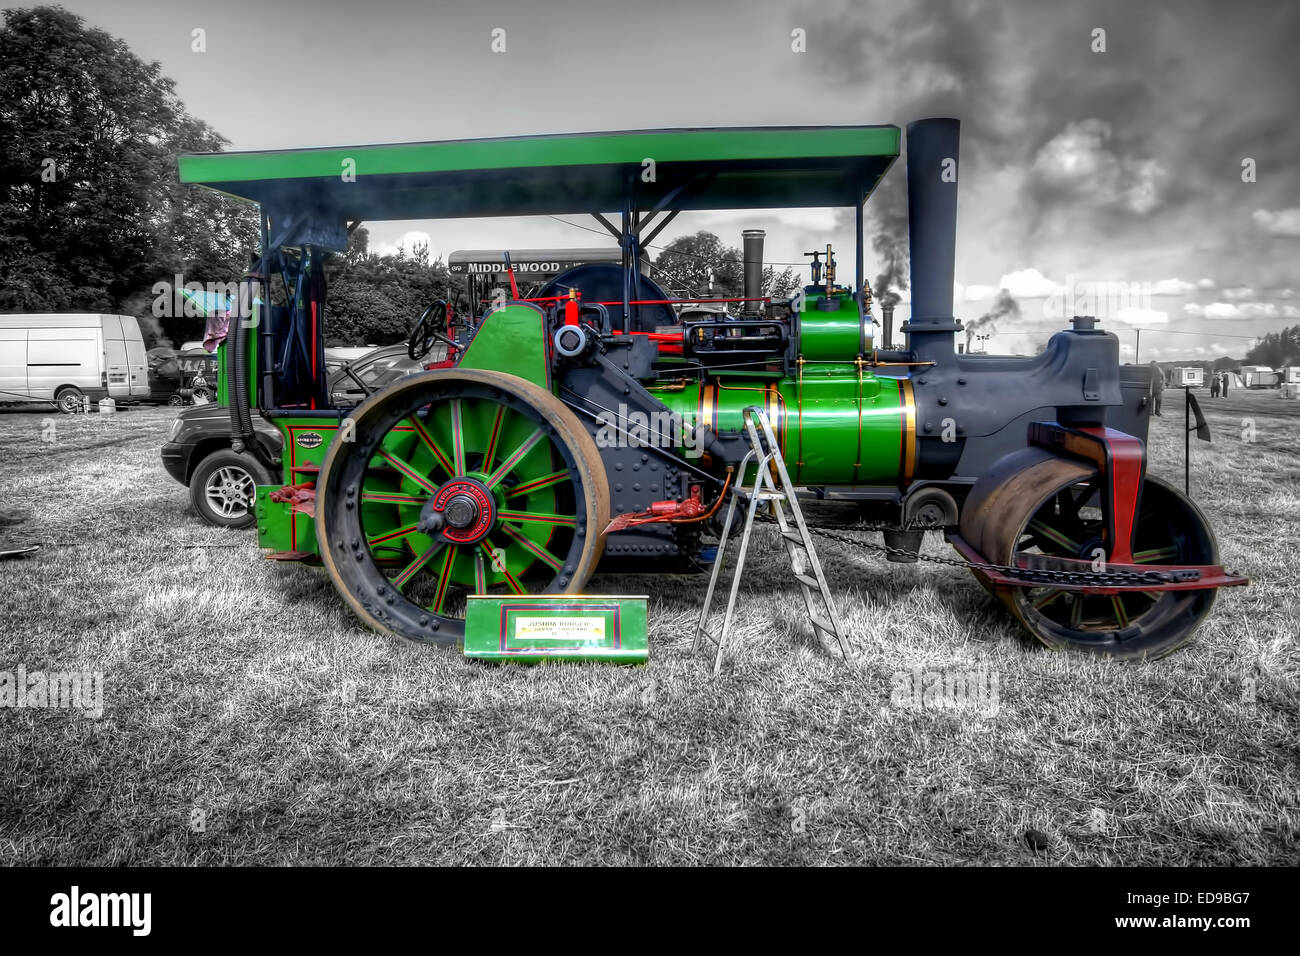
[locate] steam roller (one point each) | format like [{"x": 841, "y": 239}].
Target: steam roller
[{"x": 600, "y": 395}]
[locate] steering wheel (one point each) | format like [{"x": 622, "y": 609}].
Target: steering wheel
[{"x": 428, "y": 330}]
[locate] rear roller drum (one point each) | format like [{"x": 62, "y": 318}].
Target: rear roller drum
[
  {"x": 458, "y": 482},
  {"x": 1052, "y": 507}
]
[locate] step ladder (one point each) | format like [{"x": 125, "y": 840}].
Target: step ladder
[{"x": 775, "y": 492}]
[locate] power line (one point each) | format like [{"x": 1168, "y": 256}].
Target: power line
[{"x": 1214, "y": 332}]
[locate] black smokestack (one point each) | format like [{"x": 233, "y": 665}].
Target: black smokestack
[
  {"x": 753, "y": 268},
  {"x": 887, "y": 320},
  {"x": 932, "y": 164}
]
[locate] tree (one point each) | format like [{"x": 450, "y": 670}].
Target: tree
[
  {"x": 376, "y": 300},
  {"x": 1276, "y": 349},
  {"x": 691, "y": 264},
  {"x": 695, "y": 264},
  {"x": 91, "y": 209}
]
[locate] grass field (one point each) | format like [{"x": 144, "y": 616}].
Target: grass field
[{"x": 249, "y": 719}]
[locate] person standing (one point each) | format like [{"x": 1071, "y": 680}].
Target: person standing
[
  {"x": 1215, "y": 379},
  {"x": 1227, "y": 380},
  {"x": 1157, "y": 387}
]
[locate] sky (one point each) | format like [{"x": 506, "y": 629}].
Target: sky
[{"x": 1104, "y": 144}]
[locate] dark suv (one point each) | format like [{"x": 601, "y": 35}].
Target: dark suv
[{"x": 223, "y": 482}]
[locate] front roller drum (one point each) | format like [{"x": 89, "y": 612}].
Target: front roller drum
[
  {"x": 458, "y": 482},
  {"x": 1038, "y": 503}
]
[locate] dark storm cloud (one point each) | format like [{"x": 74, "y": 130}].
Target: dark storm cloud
[{"x": 1155, "y": 126}]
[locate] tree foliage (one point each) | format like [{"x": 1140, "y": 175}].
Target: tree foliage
[
  {"x": 376, "y": 299},
  {"x": 689, "y": 264},
  {"x": 91, "y": 209},
  {"x": 1276, "y": 349}
]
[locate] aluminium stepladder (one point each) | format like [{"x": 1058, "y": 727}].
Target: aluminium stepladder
[{"x": 777, "y": 494}]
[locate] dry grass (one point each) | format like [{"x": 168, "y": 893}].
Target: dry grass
[{"x": 245, "y": 690}]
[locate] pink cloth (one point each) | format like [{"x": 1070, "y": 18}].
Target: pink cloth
[{"x": 216, "y": 330}]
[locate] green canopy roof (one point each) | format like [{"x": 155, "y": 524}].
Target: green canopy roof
[{"x": 740, "y": 168}]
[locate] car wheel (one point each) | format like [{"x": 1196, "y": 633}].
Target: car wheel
[
  {"x": 223, "y": 488},
  {"x": 70, "y": 400}
]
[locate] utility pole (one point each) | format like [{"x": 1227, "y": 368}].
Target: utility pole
[{"x": 1137, "y": 349}]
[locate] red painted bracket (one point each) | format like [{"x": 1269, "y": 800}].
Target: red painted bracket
[{"x": 1121, "y": 459}]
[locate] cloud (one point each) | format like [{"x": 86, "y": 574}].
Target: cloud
[
  {"x": 1173, "y": 287},
  {"x": 1030, "y": 284},
  {"x": 1239, "y": 293},
  {"x": 1079, "y": 163},
  {"x": 1285, "y": 222},
  {"x": 408, "y": 241},
  {"x": 1134, "y": 315},
  {"x": 1205, "y": 284},
  {"x": 1021, "y": 284},
  {"x": 1242, "y": 310}
]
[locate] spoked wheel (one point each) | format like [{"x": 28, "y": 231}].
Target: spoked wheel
[
  {"x": 458, "y": 482},
  {"x": 1053, "y": 508}
]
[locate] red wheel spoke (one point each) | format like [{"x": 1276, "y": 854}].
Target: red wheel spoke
[
  {"x": 1121, "y": 613},
  {"x": 1155, "y": 554},
  {"x": 539, "y": 517},
  {"x": 480, "y": 574},
  {"x": 537, "y": 484},
  {"x": 393, "y": 498},
  {"x": 1056, "y": 537},
  {"x": 390, "y": 535},
  {"x": 511, "y": 580},
  {"x": 432, "y": 445},
  {"x": 1047, "y": 598},
  {"x": 407, "y": 470},
  {"x": 404, "y": 576},
  {"x": 444, "y": 579},
  {"x": 490, "y": 453},
  {"x": 516, "y": 456},
  {"x": 533, "y": 548},
  {"x": 457, "y": 437}
]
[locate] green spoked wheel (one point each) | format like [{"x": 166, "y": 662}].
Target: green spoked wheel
[
  {"x": 1052, "y": 507},
  {"x": 458, "y": 482}
]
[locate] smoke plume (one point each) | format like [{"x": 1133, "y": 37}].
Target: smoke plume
[{"x": 1004, "y": 307}]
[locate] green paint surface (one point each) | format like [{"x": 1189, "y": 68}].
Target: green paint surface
[
  {"x": 832, "y": 437},
  {"x": 756, "y": 168},
  {"x": 511, "y": 339},
  {"x": 834, "y": 428},
  {"x": 830, "y": 336},
  {"x": 534, "y": 629},
  {"x": 578, "y": 149}
]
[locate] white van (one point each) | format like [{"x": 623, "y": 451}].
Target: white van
[{"x": 67, "y": 359}]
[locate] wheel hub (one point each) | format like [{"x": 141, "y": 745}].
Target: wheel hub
[{"x": 463, "y": 510}]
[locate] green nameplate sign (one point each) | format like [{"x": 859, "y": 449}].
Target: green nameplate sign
[{"x": 557, "y": 627}]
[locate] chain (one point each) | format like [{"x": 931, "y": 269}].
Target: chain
[{"x": 1028, "y": 575}]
